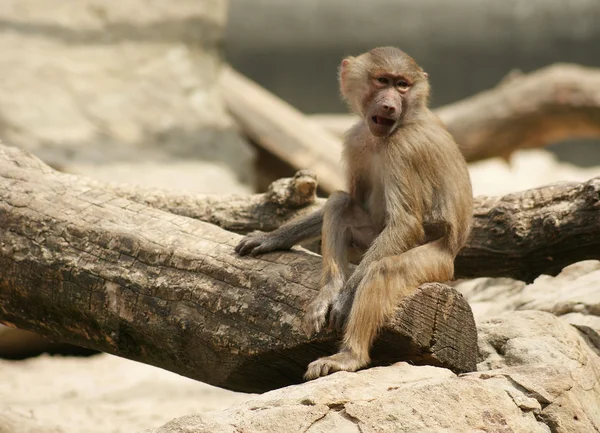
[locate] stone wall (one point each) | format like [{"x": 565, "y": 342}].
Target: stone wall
[{"x": 88, "y": 82}]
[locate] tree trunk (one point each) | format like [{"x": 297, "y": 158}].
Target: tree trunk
[
  {"x": 80, "y": 264},
  {"x": 110, "y": 268},
  {"x": 533, "y": 232},
  {"x": 281, "y": 130},
  {"x": 521, "y": 235}
]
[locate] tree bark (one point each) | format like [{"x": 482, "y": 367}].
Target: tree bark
[
  {"x": 81, "y": 264},
  {"x": 521, "y": 235},
  {"x": 523, "y": 111},
  {"x": 109, "y": 267},
  {"x": 529, "y": 233}
]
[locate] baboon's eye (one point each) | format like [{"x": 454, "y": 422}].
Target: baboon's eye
[
  {"x": 403, "y": 84},
  {"x": 382, "y": 80}
]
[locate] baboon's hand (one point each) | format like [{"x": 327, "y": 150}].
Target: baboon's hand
[
  {"x": 257, "y": 242},
  {"x": 341, "y": 306},
  {"x": 315, "y": 318}
]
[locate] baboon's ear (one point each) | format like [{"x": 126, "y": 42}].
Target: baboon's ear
[{"x": 344, "y": 74}]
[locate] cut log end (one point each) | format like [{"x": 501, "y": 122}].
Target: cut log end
[
  {"x": 434, "y": 326},
  {"x": 440, "y": 325}
]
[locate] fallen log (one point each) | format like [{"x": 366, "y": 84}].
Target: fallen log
[
  {"x": 94, "y": 265},
  {"x": 283, "y": 131},
  {"x": 538, "y": 231},
  {"x": 520, "y": 235},
  {"x": 82, "y": 265},
  {"x": 527, "y": 111},
  {"x": 524, "y": 111}
]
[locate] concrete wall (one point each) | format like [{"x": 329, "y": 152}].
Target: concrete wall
[{"x": 293, "y": 47}]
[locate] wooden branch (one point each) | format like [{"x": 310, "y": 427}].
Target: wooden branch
[
  {"x": 83, "y": 265},
  {"x": 530, "y": 110},
  {"x": 286, "y": 199},
  {"x": 529, "y": 233},
  {"x": 521, "y": 235},
  {"x": 523, "y": 111},
  {"x": 282, "y": 130}
]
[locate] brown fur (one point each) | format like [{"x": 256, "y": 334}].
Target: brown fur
[{"x": 408, "y": 206}]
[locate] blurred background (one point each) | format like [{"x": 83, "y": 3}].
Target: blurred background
[
  {"x": 128, "y": 91},
  {"x": 466, "y": 46},
  {"x": 294, "y": 48}
]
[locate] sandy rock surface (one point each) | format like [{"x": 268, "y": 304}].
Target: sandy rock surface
[
  {"x": 537, "y": 375},
  {"x": 573, "y": 295},
  {"x": 99, "y": 394}
]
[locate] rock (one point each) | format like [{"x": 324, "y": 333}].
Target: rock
[
  {"x": 542, "y": 357},
  {"x": 94, "y": 82},
  {"x": 575, "y": 290},
  {"x": 537, "y": 374},
  {"x": 573, "y": 295},
  {"x": 400, "y": 398},
  {"x": 529, "y": 338},
  {"x": 13, "y": 421},
  {"x": 98, "y": 394},
  {"x": 580, "y": 319},
  {"x": 528, "y": 168},
  {"x": 490, "y": 296}
]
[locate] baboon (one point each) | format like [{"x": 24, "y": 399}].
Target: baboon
[{"x": 407, "y": 208}]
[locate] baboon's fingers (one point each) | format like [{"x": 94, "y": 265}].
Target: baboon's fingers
[
  {"x": 312, "y": 372},
  {"x": 255, "y": 243},
  {"x": 315, "y": 369},
  {"x": 246, "y": 246},
  {"x": 322, "y": 367},
  {"x": 261, "y": 248},
  {"x": 316, "y": 315}
]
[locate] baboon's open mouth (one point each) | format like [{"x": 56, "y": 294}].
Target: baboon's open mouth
[{"x": 383, "y": 121}]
